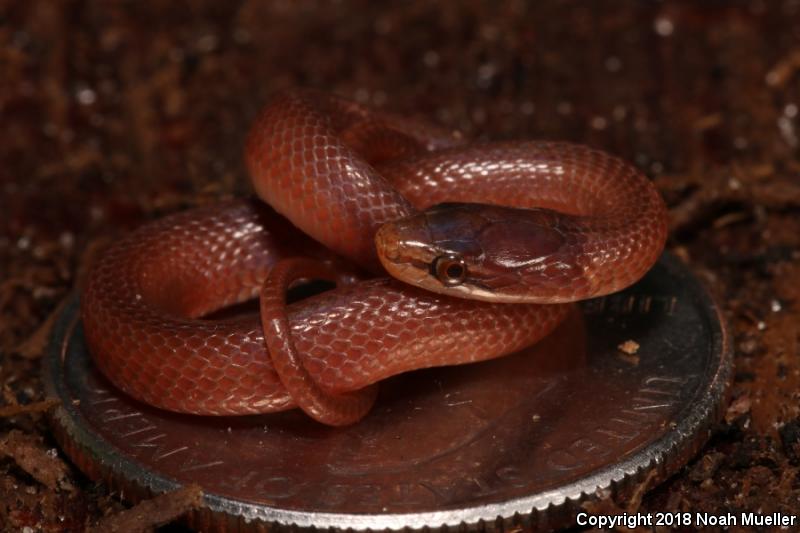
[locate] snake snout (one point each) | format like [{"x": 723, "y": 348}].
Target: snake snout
[
  {"x": 404, "y": 249},
  {"x": 386, "y": 243}
]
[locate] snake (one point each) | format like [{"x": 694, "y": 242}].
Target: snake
[{"x": 439, "y": 251}]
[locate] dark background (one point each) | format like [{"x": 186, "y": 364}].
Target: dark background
[{"x": 113, "y": 113}]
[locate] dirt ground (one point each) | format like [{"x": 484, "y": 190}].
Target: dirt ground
[{"x": 114, "y": 113}]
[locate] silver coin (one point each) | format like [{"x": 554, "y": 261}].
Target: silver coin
[{"x": 515, "y": 442}]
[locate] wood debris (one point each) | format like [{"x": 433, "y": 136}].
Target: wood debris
[
  {"x": 148, "y": 514},
  {"x": 42, "y": 464}
]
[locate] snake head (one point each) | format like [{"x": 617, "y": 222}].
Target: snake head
[{"x": 479, "y": 251}]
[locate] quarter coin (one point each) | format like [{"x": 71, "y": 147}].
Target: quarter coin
[{"x": 628, "y": 385}]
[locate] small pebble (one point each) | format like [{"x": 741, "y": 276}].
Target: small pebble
[
  {"x": 86, "y": 96},
  {"x": 629, "y": 347},
  {"x": 663, "y": 26}
]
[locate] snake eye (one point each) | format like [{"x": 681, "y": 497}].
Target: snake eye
[{"x": 450, "y": 269}]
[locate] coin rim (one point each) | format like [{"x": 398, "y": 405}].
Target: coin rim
[{"x": 100, "y": 459}]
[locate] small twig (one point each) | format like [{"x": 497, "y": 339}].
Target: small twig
[
  {"x": 7, "y": 411},
  {"x": 152, "y": 513},
  {"x": 784, "y": 69},
  {"x": 33, "y": 347},
  {"x": 29, "y": 454},
  {"x": 724, "y": 189},
  {"x": 635, "y": 501}
]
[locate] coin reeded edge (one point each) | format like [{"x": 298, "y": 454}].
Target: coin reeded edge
[{"x": 555, "y": 508}]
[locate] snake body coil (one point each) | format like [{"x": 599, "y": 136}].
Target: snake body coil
[{"x": 554, "y": 223}]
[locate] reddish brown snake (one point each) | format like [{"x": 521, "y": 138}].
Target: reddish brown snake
[{"x": 584, "y": 224}]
